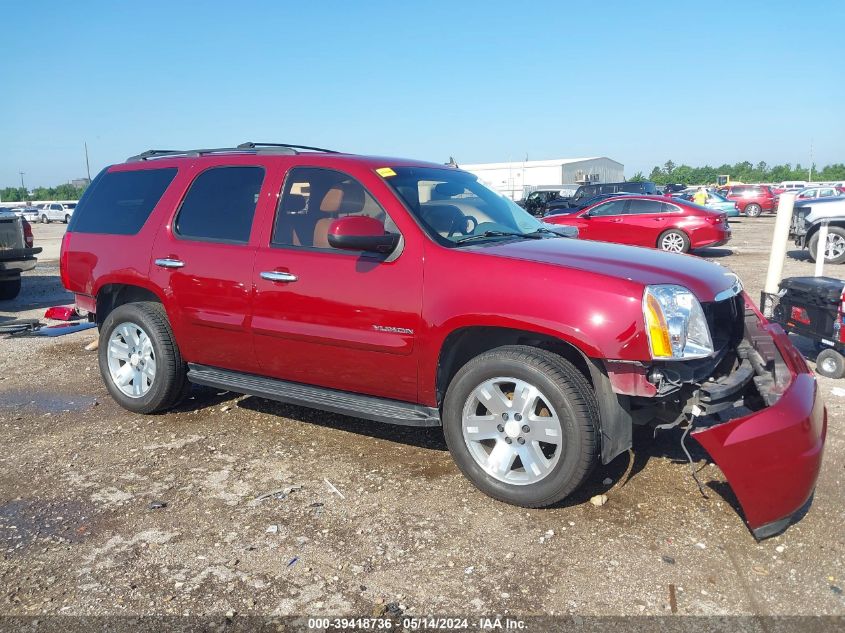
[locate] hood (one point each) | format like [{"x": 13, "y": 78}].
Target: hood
[
  {"x": 641, "y": 265},
  {"x": 823, "y": 208}
]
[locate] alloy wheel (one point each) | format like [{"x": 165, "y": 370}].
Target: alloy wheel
[
  {"x": 673, "y": 243},
  {"x": 834, "y": 247},
  {"x": 131, "y": 359},
  {"x": 512, "y": 431}
]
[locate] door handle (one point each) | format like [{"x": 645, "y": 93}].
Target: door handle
[
  {"x": 167, "y": 262},
  {"x": 276, "y": 275}
]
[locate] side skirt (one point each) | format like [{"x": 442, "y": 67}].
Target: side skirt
[{"x": 343, "y": 402}]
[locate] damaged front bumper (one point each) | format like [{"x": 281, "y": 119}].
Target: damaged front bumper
[{"x": 771, "y": 457}]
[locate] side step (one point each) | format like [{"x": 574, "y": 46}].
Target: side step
[{"x": 343, "y": 402}]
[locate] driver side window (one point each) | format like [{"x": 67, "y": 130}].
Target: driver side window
[
  {"x": 614, "y": 207},
  {"x": 312, "y": 198}
]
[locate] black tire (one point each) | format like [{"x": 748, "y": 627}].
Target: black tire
[
  {"x": 753, "y": 210},
  {"x": 67, "y": 219},
  {"x": 830, "y": 363},
  {"x": 835, "y": 233},
  {"x": 169, "y": 384},
  {"x": 570, "y": 394},
  {"x": 10, "y": 288},
  {"x": 45, "y": 219},
  {"x": 679, "y": 238}
]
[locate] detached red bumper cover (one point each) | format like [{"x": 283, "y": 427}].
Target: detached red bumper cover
[{"x": 772, "y": 457}]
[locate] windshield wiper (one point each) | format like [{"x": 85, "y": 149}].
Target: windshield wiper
[{"x": 530, "y": 236}]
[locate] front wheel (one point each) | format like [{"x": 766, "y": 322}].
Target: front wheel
[
  {"x": 67, "y": 219},
  {"x": 139, "y": 360},
  {"x": 521, "y": 424},
  {"x": 45, "y": 219},
  {"x": 753, "y": 210},
  {"x": 673, "y": 241},
  {"x": 834, "y": 252}
]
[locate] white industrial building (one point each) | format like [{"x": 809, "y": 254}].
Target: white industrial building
[{"x": 517, "y": 179}]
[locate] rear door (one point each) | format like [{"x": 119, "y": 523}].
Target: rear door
[
  {"x": 645, "y": 220},
  {"x": 203, "y": 260}
]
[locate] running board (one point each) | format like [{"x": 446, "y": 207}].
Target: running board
[{"x": 343, "y": 402}]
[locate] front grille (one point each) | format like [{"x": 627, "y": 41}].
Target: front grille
[{"x": 797, "y": 226}]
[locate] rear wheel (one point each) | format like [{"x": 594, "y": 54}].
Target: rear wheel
[
  {"x": 139, "y": 359},
  {"x": 521, "y": 424},
  {"x": 834, "y": 252},
  {"x": 10, "y": 288},
  {"x": 830, "y": 363},
  {"x": 67, "y": 219},
  {"x": 673, "y": 241},
  {"x": 753, "y": 210},
  {"x": 45, "y": 219}
]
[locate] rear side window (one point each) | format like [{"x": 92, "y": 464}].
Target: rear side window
[
  {"x": 119, "y": 202},
  {"x": 640, "y": 207},
  {"x": 220, "y": 205}
]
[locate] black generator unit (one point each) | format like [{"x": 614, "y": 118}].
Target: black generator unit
[{"x": 812, "y": 307}]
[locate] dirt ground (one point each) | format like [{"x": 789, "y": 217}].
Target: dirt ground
[{"x": 107, "y": 512}]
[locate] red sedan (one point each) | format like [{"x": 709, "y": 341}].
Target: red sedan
[{"x": 672, "y": 225}]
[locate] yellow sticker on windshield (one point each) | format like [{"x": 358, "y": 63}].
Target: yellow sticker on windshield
[{"x": 385, "y": 172}]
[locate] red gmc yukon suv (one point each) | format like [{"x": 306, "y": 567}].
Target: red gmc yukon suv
[{"x": 407, "y": 292}]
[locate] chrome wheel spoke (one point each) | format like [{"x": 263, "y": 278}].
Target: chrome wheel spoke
[
  {"x": 524, "y": 398},
  {"x": 125, "y": 375},
  {"x": 545, "y": 429},
  {"x": 118, "y": 349},
  {"x": 501, "y": 458},
  {"x": 492, "y": 397},
  {"x": 533, "y": 460},
  {"x": 481, "y": 427}
]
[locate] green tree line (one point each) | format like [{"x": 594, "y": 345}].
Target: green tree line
[
  {"x": 742, "y": 172},
  {"x": 61, "y": 192}
]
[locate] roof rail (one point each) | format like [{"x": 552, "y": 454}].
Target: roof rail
[
  {"x": 251, "y": 145},
  {"x": 248, "y": 147}
]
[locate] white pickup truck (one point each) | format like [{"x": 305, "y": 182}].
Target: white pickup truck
[{"x": 58, "y": 211}]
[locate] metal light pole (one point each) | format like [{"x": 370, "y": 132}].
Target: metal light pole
[
  {"x": 25, "y": 192},
  {"x": 87, "y": 166}
]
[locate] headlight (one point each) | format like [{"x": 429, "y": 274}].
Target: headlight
[{"x": 675, "y": 323}]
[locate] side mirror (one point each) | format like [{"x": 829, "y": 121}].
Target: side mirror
[{"x": 361, "y": 233}]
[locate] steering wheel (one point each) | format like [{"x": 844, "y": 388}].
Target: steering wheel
[{"x": 469, "y": 225}]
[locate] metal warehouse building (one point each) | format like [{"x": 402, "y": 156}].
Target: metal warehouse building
[{"x": 517, "y": 179}]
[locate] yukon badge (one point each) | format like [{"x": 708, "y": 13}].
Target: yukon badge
[{"x": 392, "y": 330}]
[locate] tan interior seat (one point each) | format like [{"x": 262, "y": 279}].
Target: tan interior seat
[{"x": 342, "y": 199}]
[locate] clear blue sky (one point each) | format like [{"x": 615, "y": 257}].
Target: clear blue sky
[{"x": 480, "y": 81}]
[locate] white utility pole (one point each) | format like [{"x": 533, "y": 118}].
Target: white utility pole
[
  {"x": 779, "y": 239},
  {"x": 821, "y": 248}
]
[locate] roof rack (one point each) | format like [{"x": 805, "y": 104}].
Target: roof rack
[{"x": 248, "y": 147}]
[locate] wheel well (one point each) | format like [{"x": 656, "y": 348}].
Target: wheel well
[
  {"x": 111, "y": 296},
  {"x": 815, "y": 228},
  {"x": 466, "y": 343}
]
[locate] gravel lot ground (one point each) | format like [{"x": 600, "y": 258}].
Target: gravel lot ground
[{"x": 374, "y": 514}]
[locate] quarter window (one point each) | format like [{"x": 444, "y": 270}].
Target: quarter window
[
  {"x": 220, "y": 205},
  {"x": 119, "y": 202},
  {"x": 312, "y": 198}
]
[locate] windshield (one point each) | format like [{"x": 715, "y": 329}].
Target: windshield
[{"x": 452, "y": 205}]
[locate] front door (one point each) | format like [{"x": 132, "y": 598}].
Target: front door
[
  {"x": 603, "y": 222},
  {"x": 203, "y": 261},
  {"x": 339, "y": 319}
]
